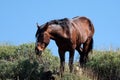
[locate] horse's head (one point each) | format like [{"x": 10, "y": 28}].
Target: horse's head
[{"x": 42, "y": 38}]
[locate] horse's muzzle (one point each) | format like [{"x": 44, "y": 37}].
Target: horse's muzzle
[{"x": 38, "y": 52}]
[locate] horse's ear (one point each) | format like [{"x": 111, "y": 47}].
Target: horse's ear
[
  {"x": 37, "y": 25},
  {"x": 46, "y": 26}
]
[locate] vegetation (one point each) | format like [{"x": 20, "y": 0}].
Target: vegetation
[
  {"x": 105, "y": 65},
  {"x": 21, "y": 63}
]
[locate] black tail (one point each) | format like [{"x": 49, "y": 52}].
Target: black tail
[{"x": 90, "y": 48}]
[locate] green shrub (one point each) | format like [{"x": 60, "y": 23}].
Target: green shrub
[
  {"x": 7, "y": 52},
  {"x": 20, "y": 62},
  {"x": 106, "y": 64}
]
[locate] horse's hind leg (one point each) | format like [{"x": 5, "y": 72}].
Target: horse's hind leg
[
  {"x": 80, "y": 50},
  {"x": 87, "y": 47}
]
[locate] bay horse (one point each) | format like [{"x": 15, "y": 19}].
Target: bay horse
[{"x": 69, "y": 35}]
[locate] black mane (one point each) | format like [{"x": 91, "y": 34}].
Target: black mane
[{"x": 64, "y": 23}]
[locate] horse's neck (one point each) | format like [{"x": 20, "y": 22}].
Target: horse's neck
[
  {"x": 55, "y": 28},
  {"x": 55, "y": 31}
]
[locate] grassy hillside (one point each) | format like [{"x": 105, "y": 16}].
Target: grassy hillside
[{"x": 21, "y": 63}]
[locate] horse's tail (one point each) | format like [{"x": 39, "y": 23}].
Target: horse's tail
[
  {"x": 92, "y": 33},
  {"x": 90, "y": 48}
]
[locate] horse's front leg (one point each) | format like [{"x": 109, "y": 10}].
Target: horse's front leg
[
  {"x": 71, "y": 59},
  {"x": 62, "y": 60}
]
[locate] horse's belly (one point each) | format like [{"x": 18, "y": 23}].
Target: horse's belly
[{"x": 65, "y": 45}]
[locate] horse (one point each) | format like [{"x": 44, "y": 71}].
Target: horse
[{"x": 69, "y": 35}]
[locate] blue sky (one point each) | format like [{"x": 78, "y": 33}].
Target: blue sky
[{"x": 18, "y": 19}]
